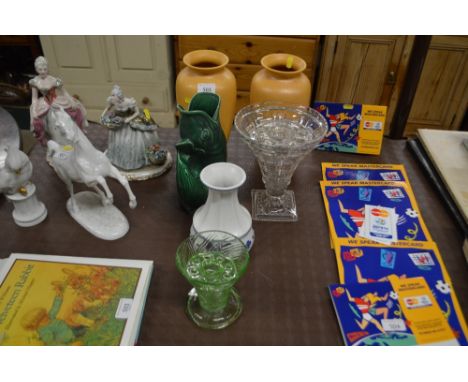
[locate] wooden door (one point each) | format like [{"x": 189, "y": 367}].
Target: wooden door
[
  {"x": 364, "y": 69},
  {"x": 442, "y": 95},
  {"x": 76, "y": 58},
  {"x": 140, "y": 59},
  {"x": 90, "y": 65},
  {"x": 142, "y": 66}
]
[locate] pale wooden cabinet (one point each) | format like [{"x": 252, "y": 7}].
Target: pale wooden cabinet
[
  {"x": 91, "y": 65},
  {"x": 442, "y": 94},
  {"x": 364, "y": 69}
]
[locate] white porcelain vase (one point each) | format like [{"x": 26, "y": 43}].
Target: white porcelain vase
[{"x": 222, "y": 210}]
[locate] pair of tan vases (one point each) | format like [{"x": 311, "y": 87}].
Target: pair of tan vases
[{"x": 281, "y": 79}]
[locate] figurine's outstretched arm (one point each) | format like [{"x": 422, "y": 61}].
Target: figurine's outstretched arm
[
  {"x": 134, "y": 115},
  {"x": 34, "y": 100},
  {"x": 105, "y": 111}
]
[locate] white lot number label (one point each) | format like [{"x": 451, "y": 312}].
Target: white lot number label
[
  {"x": 206, "y": 88},
  {"x": 393, "y": 325},
  {"x": 124, "y": 308}
]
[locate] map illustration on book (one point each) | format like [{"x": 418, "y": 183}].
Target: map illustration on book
[{"x": 58, "y": 300}]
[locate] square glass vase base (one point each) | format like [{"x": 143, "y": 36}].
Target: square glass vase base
[{"x": 268, "y": 208}]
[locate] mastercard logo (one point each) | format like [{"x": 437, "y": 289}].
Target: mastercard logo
[
  {"x": 378, "y": 212},
  {"x": 411, "y": 301}
]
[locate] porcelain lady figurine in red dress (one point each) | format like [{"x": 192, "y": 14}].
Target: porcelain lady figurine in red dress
[{"x": 48, "y": 91}]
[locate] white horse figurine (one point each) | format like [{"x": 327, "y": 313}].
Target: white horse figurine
[
  {"x": 75, "y": 159},
  {"x": 55, "y": 121}
]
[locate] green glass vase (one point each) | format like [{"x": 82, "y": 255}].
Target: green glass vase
[
  {"x": 202, "y": 143},
  {"x": 213, "y": 261}
]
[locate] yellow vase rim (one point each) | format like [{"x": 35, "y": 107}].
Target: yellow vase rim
[
  {"x": 274, "y": 59},
  {"x": 195, "y": 57}
]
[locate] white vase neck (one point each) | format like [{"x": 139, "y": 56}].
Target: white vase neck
[{"x": 222, "y": 210}]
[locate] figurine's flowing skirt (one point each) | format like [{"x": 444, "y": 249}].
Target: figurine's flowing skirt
[{"x": 127, "y": 147}]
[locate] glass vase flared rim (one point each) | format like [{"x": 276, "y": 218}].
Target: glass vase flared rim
[
  {"x": 242, "y": 269},
  {"x": 306, "y": 147}
]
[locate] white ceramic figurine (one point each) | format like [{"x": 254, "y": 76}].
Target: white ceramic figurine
[
  {"x": 48, "y": 92},
  {"x": 14, "y": 183},
  {"x": 75, "y": 159},
  {"x": 133, "y": 145}
]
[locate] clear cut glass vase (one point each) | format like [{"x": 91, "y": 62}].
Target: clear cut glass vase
[
  {"x": 212, "y": 261},
  {"x": 280, "y": 136}
]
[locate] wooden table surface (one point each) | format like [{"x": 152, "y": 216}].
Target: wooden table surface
[{"x": 284, "y": 290}]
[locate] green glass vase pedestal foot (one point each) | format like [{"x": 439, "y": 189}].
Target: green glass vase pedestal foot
[
  {"x": 213, "y": 261},
  {"x": 216, "y": 319}
]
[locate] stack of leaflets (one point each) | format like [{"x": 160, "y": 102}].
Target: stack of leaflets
[
  {"x": 394, "y": 288},
  {"x": 59, "y": 300}
]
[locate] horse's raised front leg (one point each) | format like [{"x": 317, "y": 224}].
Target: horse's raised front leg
[
  {"x": 102, "y": 181},
  {"x": 124, "y": 182}
]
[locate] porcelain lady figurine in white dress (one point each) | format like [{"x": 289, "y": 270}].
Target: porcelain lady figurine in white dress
[
  {"x": 131, "y": 133},
  {"x": 48, "y": 91}
]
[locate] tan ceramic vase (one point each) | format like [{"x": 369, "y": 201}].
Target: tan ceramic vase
[
  {"x": 281, "y": 80},
  {"x": 206, "y": 71}
]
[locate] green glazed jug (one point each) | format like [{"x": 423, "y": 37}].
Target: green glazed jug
[{"x": 202, "y": 143}]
